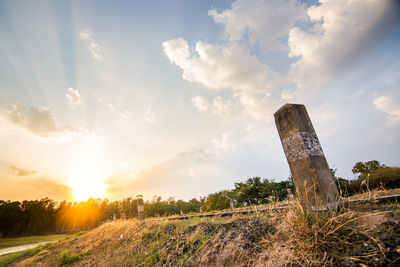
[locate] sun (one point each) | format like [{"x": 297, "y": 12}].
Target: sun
[
  {"x": 86, "y": 189},
  {"x": 87, "y": 183}
]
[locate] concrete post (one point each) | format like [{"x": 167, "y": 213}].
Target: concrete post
[
  {"x": 312, "y": 177},
  {"x": 290, "y": 195},
  {"x": 114, "y": 216},
  {"x": 140, "y": 207},
  {"x": 201, "y": 210},
  {"x": 232, "y": 205},
  {"x": 122, "y": 214}
]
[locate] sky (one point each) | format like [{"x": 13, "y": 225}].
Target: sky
[{"x": 176, "y": 98}]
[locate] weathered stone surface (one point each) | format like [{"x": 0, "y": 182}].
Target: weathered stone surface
[{"x": 312, "y": 177}]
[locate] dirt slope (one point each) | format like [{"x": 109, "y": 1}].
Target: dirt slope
[{"x": 295, "y": 237}]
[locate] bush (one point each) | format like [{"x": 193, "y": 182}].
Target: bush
[{"x": 386, "y": 177}]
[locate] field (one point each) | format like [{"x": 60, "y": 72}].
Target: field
[
  {"x": 367, "y": 234},
  {"x": 16, "y": 241},
  {"x": 10, "y": 257},
  {"x": 24, "y": 241}
]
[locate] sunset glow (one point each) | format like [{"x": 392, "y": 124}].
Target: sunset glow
[
  {"x": 85, "y": 189},
  {"x": 86, "y": 184}
]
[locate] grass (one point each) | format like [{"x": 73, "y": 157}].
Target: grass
[
  {"x": 321, "y": 237},
  {"x": 67, "y": 258},
  {"x": 152, "y": 243},
  {"x": 24, "y": 240},
  {"x": 343, "y": 237},
  {"x": 36, "y": 250},
  {"x": 294, "y": 237},
  {"x": 375, "y": 193},
  {"x": 5, "y": 259},
  {"x": 79, "y": 233}
]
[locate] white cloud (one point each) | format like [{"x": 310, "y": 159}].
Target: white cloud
[
  {"x": 334, "y": 38},
  {"x": 225, "y": 108},
  {"x": 94, "y": 47},
  {"x": 222, "y": 106},
  {"x": 201, "y": 103},
  {"x": 260, "y": 106},
  {"x": 388, "y": 105},
  {"x": 225, "y": 67},
  {"x": 110, "y": 107},
  {"x": 123, "y": 116},
  {"x": 219, "y": 67},
  {"x": 265, "y": 21},
  {"x": 343, "y": 31},
  {"x": 221, "y": 146},
  {"x": 149, "y": 115},
  {"x": 38, "y": 121},
  {"x": 177, "y": 51},
  {"x": 287, "y": 96},
  {"x": 73, "y": 97}
]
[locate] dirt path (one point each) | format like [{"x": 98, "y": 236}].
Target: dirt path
[{"x": 8, "y": 250}]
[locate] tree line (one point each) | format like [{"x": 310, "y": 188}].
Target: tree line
[
  {"x": 370, "y": 175},
  {"x": 47, "y": 216}
]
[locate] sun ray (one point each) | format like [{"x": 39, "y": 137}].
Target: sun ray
[{"x": 87, "y": 182}]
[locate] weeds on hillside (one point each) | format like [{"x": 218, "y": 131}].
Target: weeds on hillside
[
  {"x": 328, "y": 237},
  {"x": 79, "y": 233},
  {"x": 35, "y": 251},
  {"x": 67, "y": 259},
  {"x": 295, "y": 237}
]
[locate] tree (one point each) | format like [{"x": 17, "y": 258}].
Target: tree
[
  {"x": 364, "y": 168},
  {"x": 217, "y": 201},
  {"x": 249, "y": 192}
]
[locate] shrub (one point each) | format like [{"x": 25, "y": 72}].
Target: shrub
[{"x": 386, "y": 177}]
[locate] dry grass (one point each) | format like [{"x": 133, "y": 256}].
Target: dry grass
[
  {"x": 338, "y": 238},
  {"x": 297, "y": 237},
  {"x": 322, "y": 237},
  {"x": 371, "y": 194}
]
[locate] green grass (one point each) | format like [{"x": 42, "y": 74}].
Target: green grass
[
  {"x": 79, "y": 233},
  {"x": 5, "y": 259},
  {"x": 67, "y": 259},
  {"x": 35, "y": 251},
  {"x": 24, "y": 240}
]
